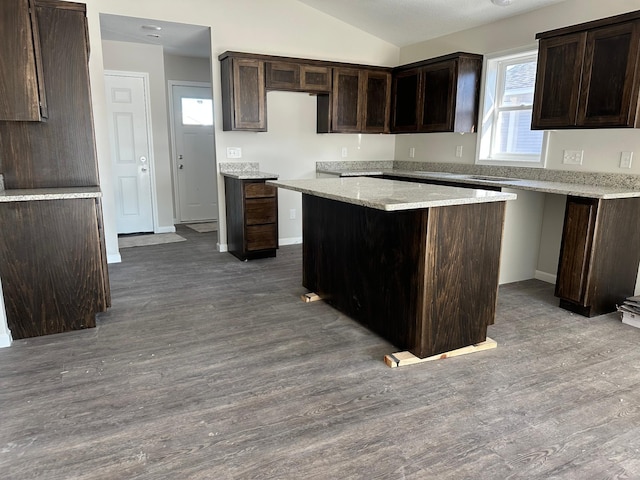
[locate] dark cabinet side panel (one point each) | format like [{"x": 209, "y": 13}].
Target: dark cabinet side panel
[
  {"x": 51, "y": 266},
  {"x": 575, "y": 250}
]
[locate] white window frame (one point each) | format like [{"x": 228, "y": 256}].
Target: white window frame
[{"x": 486, "y": 131}]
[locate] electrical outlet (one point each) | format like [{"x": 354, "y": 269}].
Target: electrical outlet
[
  {"x": 459, "y": 151},
  {"x": 234, "y": 152},
  {"x": 573, "y": 157},
  {"x": 345, "y": 152},
  {"x": 292, "y": 214},
  {"x": 412, "y": 152},
  {"x": 626, "y": 159}
]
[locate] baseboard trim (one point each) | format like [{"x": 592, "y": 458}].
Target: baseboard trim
[
  {"x": 5, "y": 340},
  {"x": 222, "y": 247},
  {"x": 169, "y": 229},
  {"x": 545, "y": 277},
  {"x": 289, "y": 241},
  {"x": 114, "y": 258}
]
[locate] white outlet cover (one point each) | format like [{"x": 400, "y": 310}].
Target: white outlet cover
[
  {"x": 625, "y": 159},
  {"x": 234, "y": 152},
  {"x": 572, "y": 157}
]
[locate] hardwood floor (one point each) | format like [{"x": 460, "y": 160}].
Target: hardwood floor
[{"x": 207, "y": 367}]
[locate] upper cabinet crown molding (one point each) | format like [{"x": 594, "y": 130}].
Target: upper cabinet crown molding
[{"x": 587, "y": 75}]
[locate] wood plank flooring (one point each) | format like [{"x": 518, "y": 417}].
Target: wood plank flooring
[{"x": 211, "y": 368}]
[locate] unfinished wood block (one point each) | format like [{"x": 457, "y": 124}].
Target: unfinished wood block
[
  {"x": 310, "y": 297},
  {"x": 401, "y": 359}
]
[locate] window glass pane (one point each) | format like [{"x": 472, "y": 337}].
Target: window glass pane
[
  {"x": 519, "y": 79},
  {"x": 514, "y": 134},
  {"x": 197, "y": 111}
]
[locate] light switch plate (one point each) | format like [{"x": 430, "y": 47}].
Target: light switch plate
[{"x": 234, "y": 152}]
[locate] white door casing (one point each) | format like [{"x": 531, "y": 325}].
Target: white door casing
[
  {"x": 195, "y": 179},
  {"x": 131, "y": 154}
]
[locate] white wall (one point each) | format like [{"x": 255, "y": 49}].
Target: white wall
[
  {"x": 278, "y": 27},
  {"x": 189, "y": 69},
  {"x": 601, "y": 147}
]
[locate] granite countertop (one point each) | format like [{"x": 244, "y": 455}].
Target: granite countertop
[
  {"x": 390, "y": 195},
  {"x": 251, "y": 175},
  {"x": 562, "y": 188},
  {"x": 27, "y": 195}
]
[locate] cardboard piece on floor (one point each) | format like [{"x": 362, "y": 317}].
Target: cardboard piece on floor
[
  {"x": 310, "y": 297},
  {"x": 401, "y": 359}
]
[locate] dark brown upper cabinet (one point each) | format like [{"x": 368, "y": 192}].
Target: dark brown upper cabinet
[
  {"x": 292, "y": 76},
  {"x": 587, "y": 75},
  {"x": 244, "y": 100},
  {"x": 437, "y": 95},
  {"x": 360, "y": 102},
  {"x": 22, "y": 94},
  {"x": 61, "y": 151}
]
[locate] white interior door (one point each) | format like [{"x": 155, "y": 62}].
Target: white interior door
[
  {"x": 130, "y": 152},
  {"x": 194, "y": 153}
]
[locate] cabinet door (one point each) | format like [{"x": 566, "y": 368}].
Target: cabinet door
[
  {"x": 346, "y": 116},
  {"x": 249, "y": 95},
  {"x": 406, "y": 88},
  {"x": 377, "y": 102},
  {"x": 609, "y": 77},
  {"x": 282, "y": 75},
  {"x": 21, "y": 85},
  {"x": 315, "y": 79},
  {"x": 438, "y": 95},
  {"x": 555, "y": 102},
  {"x": 575, "y": 251}
]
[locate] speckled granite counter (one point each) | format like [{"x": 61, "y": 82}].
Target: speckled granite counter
[
  {"x": 605, "y": 186},
  {"x": 390, "y": 195},
  {"x": 245, "y": 171},
  {"x": 28, "y": 195}
]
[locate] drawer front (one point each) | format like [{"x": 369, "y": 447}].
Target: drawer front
[
  {"x": 261, "y": 237},
  {"x": 260, "y": 210},
  {"x": 258, "y": 189}
]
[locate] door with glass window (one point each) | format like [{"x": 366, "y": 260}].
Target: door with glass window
[{"x": 194, "y": 154}]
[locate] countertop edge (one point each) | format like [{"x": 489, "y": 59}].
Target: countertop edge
[{"x": 37, "y": 194}]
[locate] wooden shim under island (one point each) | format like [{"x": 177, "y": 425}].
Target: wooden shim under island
[
  {"x": 310, "y": 297},
  {"x": 401, "y": 359}
]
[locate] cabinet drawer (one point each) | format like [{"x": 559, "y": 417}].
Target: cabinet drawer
[
  {"x": 260, "y": 210},
  {"x": 257, "y": 190},
  {"x": 261, "y": 237}
]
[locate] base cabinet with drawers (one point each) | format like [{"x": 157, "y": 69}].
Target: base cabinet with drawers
[{"x": 252, "y": 217}]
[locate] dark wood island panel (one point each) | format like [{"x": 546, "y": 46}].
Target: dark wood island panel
[{"x": 425, "y": 279}]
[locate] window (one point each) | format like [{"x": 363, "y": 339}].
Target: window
[
  {"x": 505, "y": 135},
  {"x": 197, "y": 111}
]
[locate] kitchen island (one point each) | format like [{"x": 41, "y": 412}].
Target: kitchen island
[{"x": 416, "y": 263}]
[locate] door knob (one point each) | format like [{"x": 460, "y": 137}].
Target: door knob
[
  {"x": 181, "y": 166},
  {"x": 143, "y": 169}
]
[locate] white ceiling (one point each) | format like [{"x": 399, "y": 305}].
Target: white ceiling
[
  {"x": 405, "y": 22},
  {"x": 399, "y": 22}
]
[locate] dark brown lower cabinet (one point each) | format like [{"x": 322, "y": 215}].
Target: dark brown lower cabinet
[
  {"x": 425, "y": 280},
  {"x": 252, "y": 218},
  {"x": 53, "y": 265},
  {"x": 599, "y": 255}
]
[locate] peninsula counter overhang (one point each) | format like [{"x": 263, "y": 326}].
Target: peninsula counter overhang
[{"x": 390, "y": 195}]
